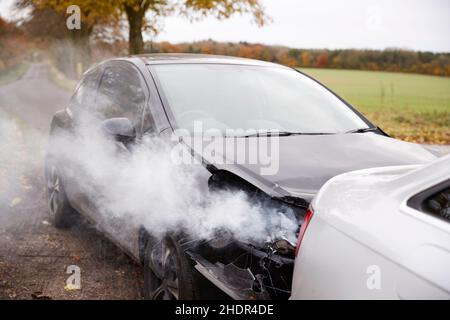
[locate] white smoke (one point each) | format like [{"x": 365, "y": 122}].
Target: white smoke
[
  {"x": 21, "y": 158},
  {"x": 145, "y": 187}
]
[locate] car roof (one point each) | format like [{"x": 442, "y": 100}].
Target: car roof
[{"x": 185, "y": 58}]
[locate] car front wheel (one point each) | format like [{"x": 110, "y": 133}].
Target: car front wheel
[
  {"x": 168, "y": 274},
  {"x": 59, "y": 206}
]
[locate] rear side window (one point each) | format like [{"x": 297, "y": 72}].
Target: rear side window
[
  {"x": 121, "y": 94},
  {"x": 434, "y": 201},
  {"x": 439, "y": 204}
]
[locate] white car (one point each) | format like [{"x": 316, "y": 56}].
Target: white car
[{"x": 381, "y": 233}]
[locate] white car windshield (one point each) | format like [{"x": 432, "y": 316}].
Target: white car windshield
[{"x": 252, "y": 98}]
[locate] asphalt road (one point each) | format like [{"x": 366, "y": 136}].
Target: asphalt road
[
  {"x": 34, "y": 255},
  {"x": 33, "y": 98}
]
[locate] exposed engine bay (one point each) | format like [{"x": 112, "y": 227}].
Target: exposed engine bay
[{"x": 247, "y": 271}]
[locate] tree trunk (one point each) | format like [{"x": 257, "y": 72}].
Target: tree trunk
[
  {"x": 81, "y": 50},
  {"x": 135, "y": 23}
]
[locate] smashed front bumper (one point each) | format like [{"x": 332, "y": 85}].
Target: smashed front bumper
[{"x": 245, "y": 272}]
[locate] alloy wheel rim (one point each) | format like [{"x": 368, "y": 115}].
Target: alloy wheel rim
[
  {"x": 164, "y": 282},
  {"x": 53, "y": 186}
]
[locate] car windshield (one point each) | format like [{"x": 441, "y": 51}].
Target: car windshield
[{"x": 242, "y": 97}]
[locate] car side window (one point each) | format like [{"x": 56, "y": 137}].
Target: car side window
[
  {"x": 434, "y": 201},
  {"x": 148, "y": 123},
  {"x": 439, "y": 204},
  {"x": 84, "y": 96},
  {"x": 120, "y": 94}
]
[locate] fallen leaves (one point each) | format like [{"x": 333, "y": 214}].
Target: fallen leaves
[
  {"x": 76, "y": 257},
  {"x": 38, "y": 295},
  {"x": 418, "y": 127},
  {"x": 25, "y": 182},
  {"x": 71, "y": 287},
  {"x": 15, "y": 201}
]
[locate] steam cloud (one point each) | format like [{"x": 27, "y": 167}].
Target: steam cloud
[
  {"x": 145, "y": 187},
  {"x": 21, "y": 155}
]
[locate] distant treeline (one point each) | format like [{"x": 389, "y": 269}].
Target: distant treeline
[
  {"x": 18, "y": 41},
  {"x": 12, "y": 45},
  {"x": 397, "y": 60}
]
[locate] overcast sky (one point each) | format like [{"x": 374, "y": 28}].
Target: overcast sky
[{"x": 377, "y": 24}]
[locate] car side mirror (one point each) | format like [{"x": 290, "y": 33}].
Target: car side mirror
[{"x": 120, "y": 128}]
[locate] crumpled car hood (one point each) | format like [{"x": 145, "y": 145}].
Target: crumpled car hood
[{"x": 306, "y": 162}]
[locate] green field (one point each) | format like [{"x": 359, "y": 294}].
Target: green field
[{"x": 407, "y": 106}]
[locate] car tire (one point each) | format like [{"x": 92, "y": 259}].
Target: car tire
[
  {"x": 63, "y": 214},
  {"x": 168, "y": 272}
]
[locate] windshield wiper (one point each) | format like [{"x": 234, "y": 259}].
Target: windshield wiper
[
  {"x": 362, "y": 130},
  {"x": 268, "y": 134},
  {"x": 280, "y": 134}
]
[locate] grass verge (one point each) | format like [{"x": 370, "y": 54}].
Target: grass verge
[
  {"x": 60, "y": 80},
  {"x": 14, "y": 74}
]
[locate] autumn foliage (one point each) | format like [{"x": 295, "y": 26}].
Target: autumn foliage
[
  {"x": 12, "y": 44},
  {"x": 396, "y": 60}
]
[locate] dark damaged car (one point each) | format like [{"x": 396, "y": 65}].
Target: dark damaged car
[{"x": 319, "y": 136}]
